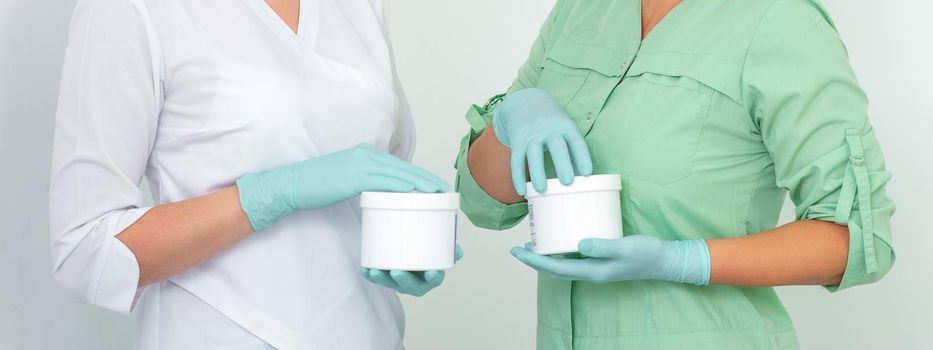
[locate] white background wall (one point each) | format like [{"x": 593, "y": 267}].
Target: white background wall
[{"x": 452, "y": 53}]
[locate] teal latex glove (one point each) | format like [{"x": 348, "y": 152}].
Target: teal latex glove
[
  {"x": 323, "y": 181},
  {"x": 531, "y": 122},
  {"x": 630, "y": 258},
  {"x": 412, "y": 283}
]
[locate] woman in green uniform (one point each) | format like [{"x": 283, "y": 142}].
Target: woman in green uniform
[{"x": 712, "y": 111}]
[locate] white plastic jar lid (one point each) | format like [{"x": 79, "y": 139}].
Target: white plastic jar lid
[
  {"x": 593, "y": 183},
  {"x": 410, "y": 201}
]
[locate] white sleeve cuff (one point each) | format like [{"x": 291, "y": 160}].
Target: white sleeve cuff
[
  {"x": 97, "y": 268},
  {"x": 117, "y": 286}
]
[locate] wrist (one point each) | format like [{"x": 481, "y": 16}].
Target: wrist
[
  {"x": 266, "y": 197},
  {"x": 686, "y": 262},
  {"x": 500, "y": 116},
  {"x": 498, "y": 129}
]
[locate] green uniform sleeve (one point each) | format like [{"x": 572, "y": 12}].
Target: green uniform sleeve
[
  {"x": 812, "y": 116},
  {"x": 529, "y": 73},
  {"x": 483, "y": 210}
]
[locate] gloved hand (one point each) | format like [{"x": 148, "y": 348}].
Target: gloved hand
[
  {"x": 629, "y": 258},
  {"x": 323, "y": 181},
  {"x": 529, "y": 122},
  {"x": 406, "y": 282}
]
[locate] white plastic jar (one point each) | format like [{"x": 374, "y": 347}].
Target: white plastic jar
[
  {"x": 563, "y": 215},
  {"x": 409, "y": 231}
]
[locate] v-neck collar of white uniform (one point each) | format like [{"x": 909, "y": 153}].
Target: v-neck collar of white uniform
[
  {"x": 305, "y": 39},
  {"x": 308, "y": 23}
]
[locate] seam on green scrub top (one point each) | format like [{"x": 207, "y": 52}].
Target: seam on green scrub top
[
  {"x": 707, "y": 97},
  {"x": 765, "y": 161},
  {"x": 569, "y": 68},
  {"x": 744, "y": 64},
  {"x": 718, "y": 57},
  {"x": 735, "y": 218},
  {"x": 703, "y": 124}
]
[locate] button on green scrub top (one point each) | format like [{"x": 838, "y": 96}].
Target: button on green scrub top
[{"x": 725, "y": 108}]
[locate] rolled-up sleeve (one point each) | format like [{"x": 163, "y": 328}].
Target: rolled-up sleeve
[
  {"x": 483, "y": 210},
  {"x": 812, "y": 115},
  {"x": 105, "y": 129}
]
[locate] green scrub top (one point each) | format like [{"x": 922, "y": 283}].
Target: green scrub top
[{"x": 725, "y": 108}]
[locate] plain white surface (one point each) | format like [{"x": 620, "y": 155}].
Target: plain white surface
[{"x": 452, "y": 53}]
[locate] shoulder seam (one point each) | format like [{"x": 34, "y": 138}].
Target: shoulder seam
[
  {"x": 155, "y": 49},
  {"x": 748, "y": 50}
]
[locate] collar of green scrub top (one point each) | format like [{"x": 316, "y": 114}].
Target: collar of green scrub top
[
  {"x": 604, "y": 51},
  {"x": 601, "y": 53}
]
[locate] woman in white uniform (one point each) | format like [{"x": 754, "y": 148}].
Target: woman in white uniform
[{"x": 257, "y": 124}]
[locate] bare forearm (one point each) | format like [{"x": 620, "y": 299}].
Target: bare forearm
[
  {"x": 489, "y": 163},
  {"x": 800, "y": 253},
  {"x": 171, "y": 238}
]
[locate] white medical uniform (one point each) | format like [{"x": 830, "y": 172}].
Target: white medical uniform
[{"x": 193, "y": 94}]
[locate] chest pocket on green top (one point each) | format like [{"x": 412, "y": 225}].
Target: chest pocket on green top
[
  {"x": 581, "y": 77},
  {"x": 651, "y": 125}
]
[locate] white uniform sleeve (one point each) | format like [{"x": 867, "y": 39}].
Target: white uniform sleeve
[
  {"x": 403, "y": 141},
  {"x": 108, "y": 111}
]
